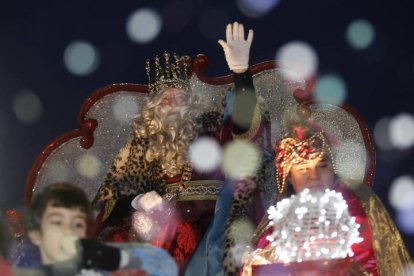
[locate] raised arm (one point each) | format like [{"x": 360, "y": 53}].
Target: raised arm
[{"x": 236, "y": 50}]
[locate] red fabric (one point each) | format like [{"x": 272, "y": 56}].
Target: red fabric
[
  {"x": 181, "y": 236},
  {"x": 363, "y": 251}
]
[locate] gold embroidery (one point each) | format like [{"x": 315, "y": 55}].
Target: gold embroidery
[
  {"x": 194, "y": 190},
  {"x": 390, "y": 251}
]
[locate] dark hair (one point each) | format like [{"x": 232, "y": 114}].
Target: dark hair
[{"x": 58, "y": 195}]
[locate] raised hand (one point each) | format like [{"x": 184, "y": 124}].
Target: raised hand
[{"x": 236, "y": 47}]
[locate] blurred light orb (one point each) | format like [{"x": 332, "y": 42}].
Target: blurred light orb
[
  {"x": 205, "y": 154},
  {"x": 211, "y": 24},
  {"x": 405, "y": 219},
  {"x": 81, "y": 58},
  {"x": 402, "y": 131},
  {"x": 125, "y": 109},
  {"x": 256, "y": 8},
  {"x": 360, "y": 34},
  {"x": 143, "y": 25},
  {"x": 308, "y": 213},
  {"x": 241, "y": 159},
  {"x": 401, "y": 193},
  {"x": 88, "y": 165},
  {"x": 331, "y": 88},
  {"x": 298, "y": 56},
  {"x": 382, "y": 134},
  {"x": 27, "y": 107}
]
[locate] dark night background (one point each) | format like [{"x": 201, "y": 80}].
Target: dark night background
[{"x": 35, "y": 34}]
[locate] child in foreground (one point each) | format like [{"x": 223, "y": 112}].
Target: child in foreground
[{"x": 59, "y": 222}]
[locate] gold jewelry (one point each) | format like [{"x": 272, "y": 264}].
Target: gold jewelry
[
  {"x": 294, "y": 151},
  {"x": 172, "y": 75}
]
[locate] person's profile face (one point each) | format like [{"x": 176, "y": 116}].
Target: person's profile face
[
  {"x": 58, "y": 225},
  {"x": 314, "y": 175}
]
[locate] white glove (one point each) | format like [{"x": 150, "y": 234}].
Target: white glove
[
  {"x": 147, "y": 201},
  {"x": 236, "y": 48}
]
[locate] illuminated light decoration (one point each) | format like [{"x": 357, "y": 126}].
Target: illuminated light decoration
[{"x": 316, "y": 239}]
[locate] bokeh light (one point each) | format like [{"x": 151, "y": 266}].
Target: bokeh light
[
  {"x": 81, "y": 58},
  {"x": 402, "y": 131},
  {"x": 256, "y": 8},
  {"x": 331, "y": 88},
  {"x": 205, "y": 154},
  {"x": 405, "y": 219},
  {"x": 298, "y": 56},
  {"x": 88, "y": 165},
  {"x": 125, "y": 109},
  {"x": 241, "y": 159},
  {"x": 401, "y": 193},
  {"x": 27, "y": 107},
  {"x": 360, "y": 34},
  {"x": 212, "y": 24},
  {"x": 382, "y": 134},
  {"x": 143, "y": 25}
]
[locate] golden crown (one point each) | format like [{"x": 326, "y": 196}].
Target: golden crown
[{"x": 168, "y": 75}]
